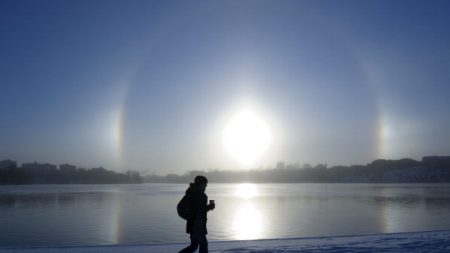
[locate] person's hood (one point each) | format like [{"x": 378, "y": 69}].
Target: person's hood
[{"x": 193, "y": 188}]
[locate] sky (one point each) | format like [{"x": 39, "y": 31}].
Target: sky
[{"x": 152, "y": 85}]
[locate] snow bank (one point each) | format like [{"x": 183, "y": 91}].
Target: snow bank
[{"x": 435, "y": 241}]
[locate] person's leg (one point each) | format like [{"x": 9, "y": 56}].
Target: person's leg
[
  {"x": 204, "y": 245},
  {"x": 191, "y": 248}
]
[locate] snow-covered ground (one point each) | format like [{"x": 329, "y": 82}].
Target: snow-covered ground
[{"x": 435, "y": 241}]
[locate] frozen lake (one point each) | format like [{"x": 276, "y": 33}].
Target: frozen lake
[{"x": 55, "y": 215}]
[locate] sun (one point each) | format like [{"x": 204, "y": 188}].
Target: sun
[{"x": 246, "y": 137}]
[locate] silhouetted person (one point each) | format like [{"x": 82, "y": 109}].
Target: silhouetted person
[{"x": 196, "y": 222}]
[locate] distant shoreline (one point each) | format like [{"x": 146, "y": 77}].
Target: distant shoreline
[
  {"x": 432, "y": 169},
  {"x": 45, "y": 173}
]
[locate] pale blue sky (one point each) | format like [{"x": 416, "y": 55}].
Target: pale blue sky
[{"x": 149, "y": 85}]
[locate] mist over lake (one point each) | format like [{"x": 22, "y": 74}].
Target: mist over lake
[{"x": 40, "y": 215}]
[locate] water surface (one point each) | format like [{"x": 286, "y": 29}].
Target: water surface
[{"x": 120, "y": 214}]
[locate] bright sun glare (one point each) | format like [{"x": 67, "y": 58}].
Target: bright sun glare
[
  {"x": 246, "y": 191},
  {"x": 246, "y": 137}
]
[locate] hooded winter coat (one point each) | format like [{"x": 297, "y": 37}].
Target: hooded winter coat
[{"x": 199, "y": 209}]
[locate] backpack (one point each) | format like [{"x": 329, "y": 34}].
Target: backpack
[{"x": 184, "y": 207}]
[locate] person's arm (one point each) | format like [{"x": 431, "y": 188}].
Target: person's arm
[
  {"x": 204, "y": 204},
  {"x": 210, "y": 207}
]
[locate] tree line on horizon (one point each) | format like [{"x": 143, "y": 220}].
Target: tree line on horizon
[
  {"x": 45, "y": 173},
  {"x": 431, "y": 169}
]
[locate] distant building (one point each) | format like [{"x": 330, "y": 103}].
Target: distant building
[
  {"x": 281, "y": 166},
  {"x": 67, "y": 168},
  {"x": 39, "y": 168},
  {"x": 294, "y": 166},
  {"x": 6, "y": 164}
]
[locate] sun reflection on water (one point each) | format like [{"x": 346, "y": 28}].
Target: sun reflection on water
[
  {"x": 246, "y": 191},
  {"x": 248, "y": 222}
]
